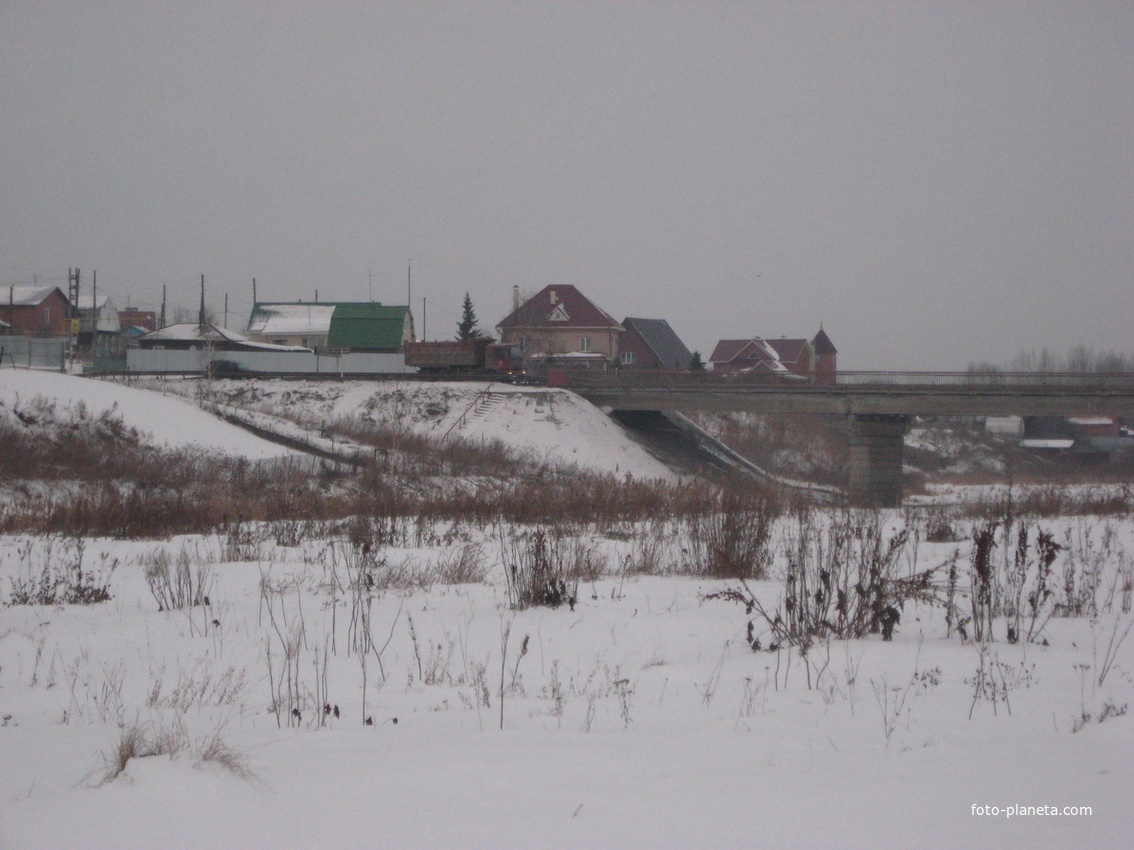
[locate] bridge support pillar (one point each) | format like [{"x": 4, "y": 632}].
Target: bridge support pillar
[{"x": 876, "y": 444}]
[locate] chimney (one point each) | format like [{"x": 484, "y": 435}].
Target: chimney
[
  {"x": 515, "y": 297},
  {"x": 554, "y": 297}
]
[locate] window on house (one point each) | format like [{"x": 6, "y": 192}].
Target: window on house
[
  {"x": 584, "y": 343},
  {"x": 627, "y": 358}
]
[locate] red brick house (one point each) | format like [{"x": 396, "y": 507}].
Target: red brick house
[
  {"x": 132, "y": 317},
  {"x": 651, "y": 344},
  {"x": 791, "y": 359},
  {"x": 36, "y": 310},
  {"x": 560, "y": 326}
]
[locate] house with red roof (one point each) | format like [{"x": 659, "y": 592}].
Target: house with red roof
[
  {"x": 790, "y": 359},
  {"x": 559, "y": 326}
]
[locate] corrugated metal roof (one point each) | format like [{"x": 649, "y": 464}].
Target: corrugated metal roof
[
  {"x": 309, "y": 318},
  {"x": 369, "y": 326}
]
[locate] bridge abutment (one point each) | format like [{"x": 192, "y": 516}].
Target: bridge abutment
[{"x": 876, "y": 449}]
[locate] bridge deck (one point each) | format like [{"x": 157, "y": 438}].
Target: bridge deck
[{"x": 859, "y": 393}]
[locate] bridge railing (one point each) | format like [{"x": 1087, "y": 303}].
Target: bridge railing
[
  {"x": 1092, "y": 380},
  {"x": 847, "y": 381}
]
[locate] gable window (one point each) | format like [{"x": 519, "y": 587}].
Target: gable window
[
  {"x": 627, "y": 358},
  {"x": 584, "y": 343},
  {"x": 559, "y": 314}
]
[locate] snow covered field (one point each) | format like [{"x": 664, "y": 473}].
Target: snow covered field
[{"x": 641, "y": 718}]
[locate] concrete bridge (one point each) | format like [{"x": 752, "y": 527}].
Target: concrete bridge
[{"x": 878, "y": 405}]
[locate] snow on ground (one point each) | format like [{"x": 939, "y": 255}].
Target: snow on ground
[
  {"x": 640, "y": 719},
  {"x": 169, "y": 420},
  {"x": 553, "y": 425}
]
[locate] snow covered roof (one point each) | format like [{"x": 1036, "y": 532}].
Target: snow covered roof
[
  {"x": 291, "y": 319},
  {"x": 192, "y": 332},
  {"x": 1047, "y": 444},
  {"x": 28, "y": 296}
]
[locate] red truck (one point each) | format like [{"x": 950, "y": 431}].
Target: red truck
[{"x": 468, "y": 357}]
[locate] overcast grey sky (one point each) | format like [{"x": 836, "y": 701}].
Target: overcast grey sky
[{"x": 937, "y": 183}]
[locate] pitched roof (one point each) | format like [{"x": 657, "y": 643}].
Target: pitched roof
[
  {"x": 728, "y": 349},
  {"x": 559, "y": 306},
  {"x": 298, "y": 318},
  {"x": 194, "y": 332},
  {"x": 788, "y": 350},
  {"x": 661, "y": 340},
  {"x": 27, "y": 296},
  {"x": 822, "y": 343},
  {"x": 368, "y": 326},
  {"x": 754, "y": 353}
]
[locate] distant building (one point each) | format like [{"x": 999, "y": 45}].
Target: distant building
[
  {"x": 132, "y": 317},
  {"x": 36, "y": 310},
  {"x": 340, "y": 326},
  {"x": 560, "y": 326},
  {"x": 99, "y": 327},
  {"x": 790, "y": 359},
  {"x": 651, "y": 344},
  {"x": 194, "y": 336}
]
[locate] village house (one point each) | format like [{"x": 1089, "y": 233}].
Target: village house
[
  {"x": 36, "y": 310},
  {"x": 788, "y": 359},
  {"x": 651, "y": 344},
  {"x": 99, "y": 326},
  {"x": 135, "y": 322},
  {"x": 559, "y": 326},
  {"x": 332, "y": 326}
]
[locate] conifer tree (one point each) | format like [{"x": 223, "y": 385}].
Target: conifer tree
[{"x": 466, "y": 328}]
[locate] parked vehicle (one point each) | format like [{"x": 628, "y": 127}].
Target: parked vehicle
[{"x": 468, "y": 357}]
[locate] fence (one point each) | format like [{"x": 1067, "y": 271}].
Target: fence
[
  {"x": 25, "y": 352},
  {"x": 158, "y": 361}
]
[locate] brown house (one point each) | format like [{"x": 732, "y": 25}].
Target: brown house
[
  {"x": 790, "y": 359},
  {"x": 560, "y": 326},
  {"x": 36, "y": 310},
  {"x": 132, "y": 317},
  {"x": 651, "y": 344}
]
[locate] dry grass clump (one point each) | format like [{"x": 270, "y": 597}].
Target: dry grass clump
[{"x": 145, "y": 740}]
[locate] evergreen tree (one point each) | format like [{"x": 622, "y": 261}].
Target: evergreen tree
[
  {"x": 695, "y": 362},
  {"x": 466, "y": 328}
]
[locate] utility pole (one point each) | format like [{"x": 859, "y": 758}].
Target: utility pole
[
  {"x": 225, "y": 311},
  {"x": 409, "y": 281},
  {"x": 161, "y": 320},
  {"x": 423, "y": 318},
  {"x": 201, "y": 312},
  {"x": 253, "y": 293},
  {"x": 94, "y": 310}
]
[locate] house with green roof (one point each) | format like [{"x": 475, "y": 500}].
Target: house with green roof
[{"x": 327, "y": 326}]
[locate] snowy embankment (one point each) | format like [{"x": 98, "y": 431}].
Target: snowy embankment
[
  {"x": 168, "y": 420},
  {"x": 550, "y": 425}
]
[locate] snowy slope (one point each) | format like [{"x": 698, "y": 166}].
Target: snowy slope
[
  {"x": 554, "y": 425},
  {"x": 169, "y": 420}
]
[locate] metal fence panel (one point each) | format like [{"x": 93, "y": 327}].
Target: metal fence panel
[{"x": 26, "y": 352}]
